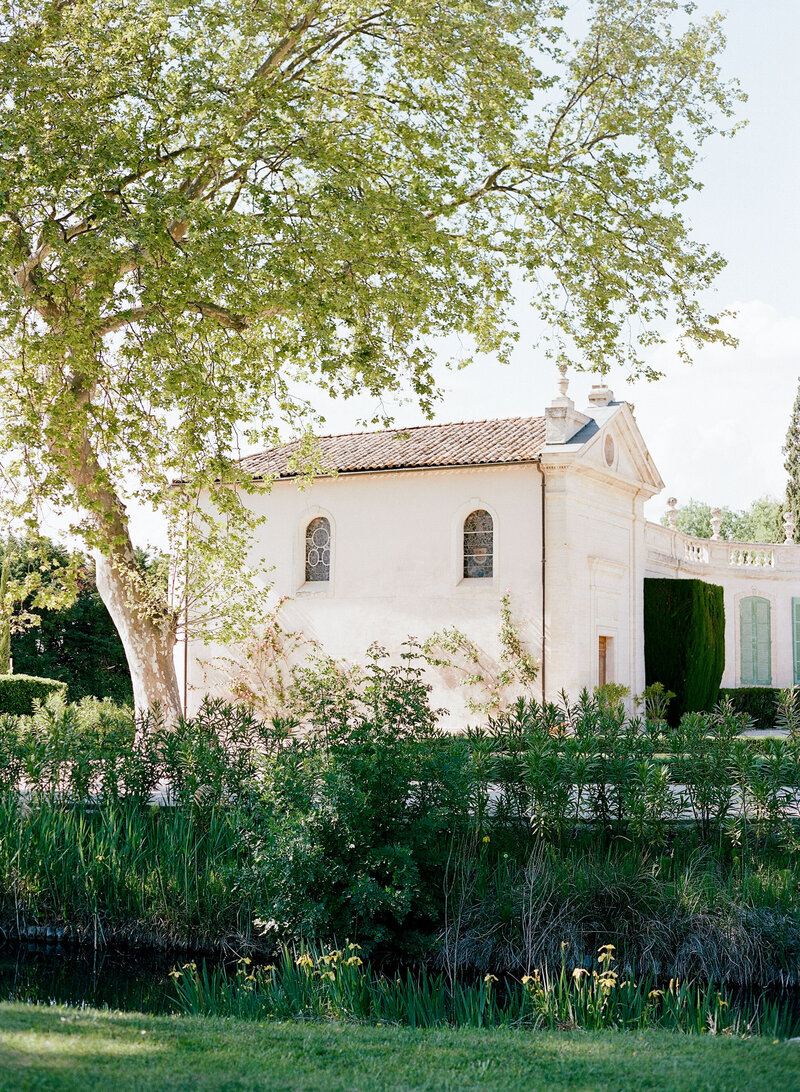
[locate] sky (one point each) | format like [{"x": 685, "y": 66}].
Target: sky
[{"x": 714, "y": 428}]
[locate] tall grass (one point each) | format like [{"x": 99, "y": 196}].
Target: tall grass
[
  {"x": 689, "y": 912},
  {"x": 119, "y": 872},
  {"x": 336, "y": 985}
]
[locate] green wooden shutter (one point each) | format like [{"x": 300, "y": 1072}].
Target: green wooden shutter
[
  {"x": 755, "y": 641},
  {"x": 796, "y": 639}
]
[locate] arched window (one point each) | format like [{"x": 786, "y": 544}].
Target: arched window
[
  {"x": 755, "y": 642},
  {"x": 318, "y": 549},
  {"x": 478, "y": 545}
]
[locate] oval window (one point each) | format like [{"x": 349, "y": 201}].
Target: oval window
[{"x": 609, "y": 450}]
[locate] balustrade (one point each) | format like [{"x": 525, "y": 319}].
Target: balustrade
[{"x": 744, "y": 556}]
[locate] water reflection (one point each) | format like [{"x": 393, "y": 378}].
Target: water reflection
[{"x": 133, "y": 981}]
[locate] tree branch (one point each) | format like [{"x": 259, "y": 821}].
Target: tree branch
[{"x": 488, "y": 184}]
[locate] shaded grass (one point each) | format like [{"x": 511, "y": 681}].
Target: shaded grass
[{"x": 62, "y": 1050}]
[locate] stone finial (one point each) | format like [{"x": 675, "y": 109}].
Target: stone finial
[
  {"x": 716, "y": 522},
  {"x": 672, "y": 512},
  {"x": 788, "y": 526},
  {"x": 600, "y": 395},
  {"x": 562, "y": 420},
  {"x": 563, "y": 383}
]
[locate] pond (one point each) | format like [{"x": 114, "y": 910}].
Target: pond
[{"x": 132, "y": 980}]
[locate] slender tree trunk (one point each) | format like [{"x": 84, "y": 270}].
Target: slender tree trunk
[
  {"x": 146, "y": 628},
  {"x": 5, "y": 622}
]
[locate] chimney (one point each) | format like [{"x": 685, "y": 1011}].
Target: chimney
[
  {"x": 562, "y": 419},
  {"x": 600, "y": 395}
]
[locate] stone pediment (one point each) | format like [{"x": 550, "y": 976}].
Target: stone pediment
[{"x": 610, "y": 446}]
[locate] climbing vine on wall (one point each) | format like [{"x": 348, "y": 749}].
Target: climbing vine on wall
[{"x": 491, "y": 681}]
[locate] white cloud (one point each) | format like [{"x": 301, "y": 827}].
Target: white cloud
[{"x": 716, "y": 428}]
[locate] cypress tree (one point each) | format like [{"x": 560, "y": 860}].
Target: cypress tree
[
  {"x": 791, "y": 449},
  {"x": 5, "y": 618},
  {"x": 684, "y": 641}
]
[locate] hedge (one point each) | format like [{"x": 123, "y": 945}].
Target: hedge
[
  {"x": 19, "y": 692},
  {"x": 759, "y": 702},
  {"x": 684, "y": 641}
]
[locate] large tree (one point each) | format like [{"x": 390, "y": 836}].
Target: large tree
[{"x": 204, "y": 204}]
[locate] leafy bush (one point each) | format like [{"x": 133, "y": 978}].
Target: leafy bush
[
  {"x": 358, "y": 811},
  {"x": 18, "y": 693},
  {"x": 684, "y": 641},
  {"x": 567, "y": 821},
  {"x": 90, "y": 750},
  {"x": 760, "y": 703}
]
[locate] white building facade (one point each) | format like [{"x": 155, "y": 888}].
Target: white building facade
[{"x": 414, "y": 531}]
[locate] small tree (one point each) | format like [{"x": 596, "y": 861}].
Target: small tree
[
  {"x": 31, "y": 580},
  {"x": 791, "y": 449},
  {"x": 74, "y": 639}
]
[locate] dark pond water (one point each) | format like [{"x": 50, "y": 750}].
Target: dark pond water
[{"x": 135, "y": 981}]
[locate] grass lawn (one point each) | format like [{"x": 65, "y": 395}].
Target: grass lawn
[{"x": 63, "y": 1049}]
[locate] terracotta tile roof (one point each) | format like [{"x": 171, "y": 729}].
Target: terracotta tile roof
[{"x": 467, "y": 443}]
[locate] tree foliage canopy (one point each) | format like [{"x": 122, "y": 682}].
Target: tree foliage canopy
[
  {"x": 34, "y": 577},
  {"x": 68, "y": 633},
  {"x": 246, "y": 193},
  {"x": 761, "y": 522}
]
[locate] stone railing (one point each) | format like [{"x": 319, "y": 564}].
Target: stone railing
[
  {"x": 671, "y": 550},
  {"x": 750, "y": 555}
]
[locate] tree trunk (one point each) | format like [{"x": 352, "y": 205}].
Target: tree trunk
[
  {"x": 148, "y": 641},
  {"x": 146, "y": 628}
]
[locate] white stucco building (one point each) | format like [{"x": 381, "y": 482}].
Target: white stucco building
[{"x": 425, "y": 528}]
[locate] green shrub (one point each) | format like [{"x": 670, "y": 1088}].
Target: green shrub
[
  {"x": 19, "y": 692},
  {"x": 359, "y": 811},
  {"x": 684, "y": 642},
  {"x": 759, "y": 702}
]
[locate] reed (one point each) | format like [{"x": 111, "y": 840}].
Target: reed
[{"x": 122, "y": 872}]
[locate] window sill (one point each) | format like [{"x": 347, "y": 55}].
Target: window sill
[
  {"x": 315, "y": 587},
  {"x": 477, "y": 583}
]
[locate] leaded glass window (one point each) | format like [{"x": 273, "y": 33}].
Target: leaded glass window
[
  {"x": 318, "y": 549},
  {"x": 478, "y": 545}
]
